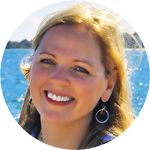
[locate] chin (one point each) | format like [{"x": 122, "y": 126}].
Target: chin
[{"x": 53, "y": 117}]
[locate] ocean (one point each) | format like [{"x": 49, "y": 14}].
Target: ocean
[{"x": 14, "y": 84}]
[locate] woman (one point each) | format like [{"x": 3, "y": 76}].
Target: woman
[{"x": 78, "y": 92}]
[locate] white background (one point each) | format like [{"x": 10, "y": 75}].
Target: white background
[{"x": 13, "y": 13}]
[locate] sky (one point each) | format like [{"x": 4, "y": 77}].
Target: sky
[{"x": 28, "y": 28}]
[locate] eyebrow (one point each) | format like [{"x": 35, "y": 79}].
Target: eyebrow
[
  {"x": 84, "y": 61},
  {"x": 76, "y": 60},
  {"x": 45, "y": 53}
]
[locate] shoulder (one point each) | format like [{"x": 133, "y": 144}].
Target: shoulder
[
  {"x": 107, "y": 137},
  {"x": 100, "y": 139}
]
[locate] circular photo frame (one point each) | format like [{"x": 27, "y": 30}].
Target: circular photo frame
[{"x": 15, "y": 85}]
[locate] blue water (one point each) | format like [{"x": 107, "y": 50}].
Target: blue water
[{"x": 14, "y": 84}]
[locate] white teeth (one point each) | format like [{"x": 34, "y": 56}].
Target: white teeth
[{"x": 58, "y": 98}]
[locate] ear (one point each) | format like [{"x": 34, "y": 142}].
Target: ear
[{"x": 110, "y": 86}]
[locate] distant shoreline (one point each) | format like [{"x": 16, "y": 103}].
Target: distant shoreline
[
  {"x": 19, "y": 48},
  {"x": 24, "y": 44},
  {"x": 126, "y": 49},
  {"x": 131, "y": 41}
]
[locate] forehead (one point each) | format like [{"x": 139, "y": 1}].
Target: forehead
[
  {"x": 77, "y": 34},
  {"x": 80, "y": 31},
  {"x": 71, "y": 39}
]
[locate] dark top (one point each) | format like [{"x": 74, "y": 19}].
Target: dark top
[{"x": 97, "y": 140}]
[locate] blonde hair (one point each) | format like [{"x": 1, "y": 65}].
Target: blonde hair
[{"x": 102, "y": 24}]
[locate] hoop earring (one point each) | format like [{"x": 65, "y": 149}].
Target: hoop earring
[{"x": 103, "y": 115}]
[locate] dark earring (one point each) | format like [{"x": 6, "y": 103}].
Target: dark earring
[{"x": 102, "y": 115}]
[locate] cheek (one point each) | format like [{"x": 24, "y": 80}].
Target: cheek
[
  {"x": 88, "y": 95},
  {"x": 91, "y": 89},
  {"x": 38, "y": 78},
  {"x": 38, "y": 75},
  {"x": 83, "y": 86}
]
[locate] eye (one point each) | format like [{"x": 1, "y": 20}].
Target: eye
[
  {"x": 81, "y": 70},
  {"x": 47, "y": 61}
]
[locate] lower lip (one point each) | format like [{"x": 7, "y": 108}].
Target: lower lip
[{"x": 59, "y": 103}]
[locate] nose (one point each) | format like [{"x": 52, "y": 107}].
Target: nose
[{"x": 59, "y": 77}]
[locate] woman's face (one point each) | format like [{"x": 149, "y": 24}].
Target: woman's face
[{"x": 67, "y": 78}]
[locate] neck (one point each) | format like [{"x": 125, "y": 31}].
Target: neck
[{"x": 67, "y": 135}]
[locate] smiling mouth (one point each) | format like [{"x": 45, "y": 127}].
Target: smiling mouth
[{"x": 58, "y": 99}]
